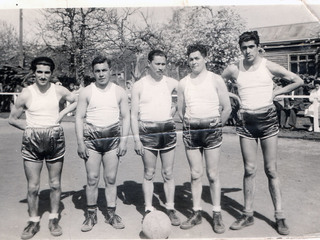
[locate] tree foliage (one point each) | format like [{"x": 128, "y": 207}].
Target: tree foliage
[
  {"x": 8, "y": 42},
  {"x": 217, "y": 29}
]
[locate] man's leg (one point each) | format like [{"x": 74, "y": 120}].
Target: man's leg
[
  {"x": 249, "y": 154},
  {"x": 167, "y": 158},
  {"x": 212, "y": 157},
  {"x": 150, "y": 162},
  {"x": 32, "y": 171},
  {"x": 194, "y": 157},
  {"x": 110, "y": 162},
  {"x": 92, "y": 165},
  {"x": 54, "y": 170},
  {"x": 270, "y": 155}
]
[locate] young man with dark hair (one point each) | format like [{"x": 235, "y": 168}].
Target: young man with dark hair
[
  {"x": 254, "y": 78},
  {"x": 154, "y": 129},
  {"x": 43, "y": 140},
  {"x": 102, "y": 139},
  {"x": 204, "y": 107}
]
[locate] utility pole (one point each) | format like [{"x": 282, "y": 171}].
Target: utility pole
[{"x": 21, "y": 55}]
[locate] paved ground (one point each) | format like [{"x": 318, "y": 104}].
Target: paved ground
[{"x": 298, "y": 166}]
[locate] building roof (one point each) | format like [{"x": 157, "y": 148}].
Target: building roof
[{"x": 289, "y": 33}]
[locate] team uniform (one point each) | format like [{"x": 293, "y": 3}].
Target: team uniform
[
  {"x": 202, "y": 127},
  {"x": 43, "y": 138},
  {"x": 101, "y": 133},
  {"x": 157, "y": 129},
  {"x": 259, "y": 115}
]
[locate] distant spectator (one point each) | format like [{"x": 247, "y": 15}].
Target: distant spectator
[
  {"x": 314, "y": 96},
  {"x": 292, "y": 106}
]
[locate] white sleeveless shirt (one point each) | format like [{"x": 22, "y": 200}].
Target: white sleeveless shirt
[
  {"x": 155, "y": 100},
  {"x": 103, "y": 109},
  {"x": 44, "y": 108},
  {"x": 255, "y": 87},
  {"x": 202, "y": 100}
]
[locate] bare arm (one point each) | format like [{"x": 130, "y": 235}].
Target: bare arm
[
  {"x": 181, "y": 100},
  {"x": 174, "y": 87},
  {"x": 125, "y": 115},
  {"x": 223, "y": 99},
  {"x": 281, "y": 72},
  {"x": 80, "y": 115},
  {"x": 231, "y": 73},
  {"x": 135, "y": 98},
  {"x": 69, "y": 97},
  {"x": 17, "y": 110}
]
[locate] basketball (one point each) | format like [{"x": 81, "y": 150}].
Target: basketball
[{"x": 156, "y": 225}]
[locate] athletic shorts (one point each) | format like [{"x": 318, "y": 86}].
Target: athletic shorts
[
  {"x": 101, "y": 139},
  {"x": 203, "y": 133},
  {"x": 260, "y": 123},
  {"x": 158, "y": 135},
  {"x": 40, "y": 144}
]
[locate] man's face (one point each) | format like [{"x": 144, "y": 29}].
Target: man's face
[
  {"x": 101, "y": 72},
  {"x": 157, "y": 67},
  {"x": 197, "y": 62},
  {"x": 43, "y": 74},
  {"x": 249, "y": 50}
]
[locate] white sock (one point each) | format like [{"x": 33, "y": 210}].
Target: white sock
[
  {"x": 216, "y": 208},
  {"x": 34, "y": 219},
  {"x": 53, "y": 215}
]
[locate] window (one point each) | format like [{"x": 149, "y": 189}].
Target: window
[{"x": 303, "y": 64}]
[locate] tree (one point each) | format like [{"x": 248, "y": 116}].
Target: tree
[
  {"x": 217, "y": 29},
  {"x": 8, "y": 42}
]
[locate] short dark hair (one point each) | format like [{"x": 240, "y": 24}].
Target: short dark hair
[
  {"x": 197, "y": 47},
  {"x": 100, "y": 59},
  {"x": 249, "y": 36},
  {"x": 42, "y": 61},
  {"x": 154, "y": 53}
]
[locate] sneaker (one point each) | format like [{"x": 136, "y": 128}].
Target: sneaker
[
  {"x": 243, "y": 221},
  {"x": 54, "y": 227},
  {"x": 175, "y": 221},
  {"x": 193, "y": 220},
  {"x": 145, "y": 214},
  {"x": 30, "y": 230},
  {"x": 114, "y": 220},
  {"x": 90, "y": 221},
  {"x": 218, "y": 226},
  {"x": 282, "y": 227}
]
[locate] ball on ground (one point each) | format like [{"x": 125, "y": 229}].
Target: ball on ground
[{"x": 156, "y": 225}]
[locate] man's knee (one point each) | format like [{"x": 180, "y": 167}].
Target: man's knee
[
  {"x": 271, "y": 173},
  {"x": 167, "y": 174},
  {"x": 149, "y": 174},
  {"x": 213, "y": 175},
  {"x": 33, "y": 189},
  {"x": 250, "y": 171},
  {"x": 55, "y": 185},
  {"x": 93, "y": 180},
  {"x": 196, "y": 174},
  {"x": 110, "y": 180}
]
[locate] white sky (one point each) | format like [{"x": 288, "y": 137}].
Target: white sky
[{"x": 257, "y": 13}]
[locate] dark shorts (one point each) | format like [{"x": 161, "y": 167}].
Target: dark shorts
[
  {"x": 203, "y": 133},
  {"x": 40, "y": 144},
  {"x": 261, "y": 123},
  {"x": 101, "y": 139},
  {"x": 158, "y": 135}
]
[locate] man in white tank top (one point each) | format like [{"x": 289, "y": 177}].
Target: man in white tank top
[
  {"x": 154, "y": 129},
  {"x": 204, "y": 107},
  {"x": 101, "y": 140},
  {"x": 43, "y": 139},
  {"x": 253, "y": 75}
]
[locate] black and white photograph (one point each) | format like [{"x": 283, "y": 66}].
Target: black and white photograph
[{"x": 160, "y": 120}]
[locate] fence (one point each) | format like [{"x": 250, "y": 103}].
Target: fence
[{"x": 315, "y": 117}]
